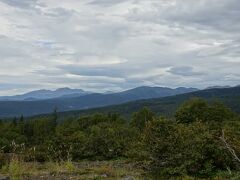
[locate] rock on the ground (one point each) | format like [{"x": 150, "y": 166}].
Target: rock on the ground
[
  {"x": 128, "y": 178},
  {"x": 4, "y": 178}
]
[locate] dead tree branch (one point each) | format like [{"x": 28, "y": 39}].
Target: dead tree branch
[{"x": 229, "y": 148}]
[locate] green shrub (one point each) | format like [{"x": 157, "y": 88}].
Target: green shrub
[{"x": 178, "y": 149}]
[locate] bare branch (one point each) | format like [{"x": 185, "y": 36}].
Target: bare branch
[{"x": 230, "y": 149}]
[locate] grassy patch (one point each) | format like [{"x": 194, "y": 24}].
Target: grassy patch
[
  {"x": 17, "y": 169},
  {"x": 119, "y": 169},
  {"x": 83, "y": 170}
]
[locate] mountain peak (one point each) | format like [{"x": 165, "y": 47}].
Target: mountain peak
[{"x": 47, "y": 94}]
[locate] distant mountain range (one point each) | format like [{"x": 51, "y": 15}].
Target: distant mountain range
[
  {"x": 46, "y": 94},
  {"x": 166, "y": 106},
  {"x": 65, "y": 99}
]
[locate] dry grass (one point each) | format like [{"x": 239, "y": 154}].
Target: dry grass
[{"x": 18, "y": 170}]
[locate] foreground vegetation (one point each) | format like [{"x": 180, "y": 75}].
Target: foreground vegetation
[
  {"x": 202, "y": 141},
  {"x": 117, "y": 169}
]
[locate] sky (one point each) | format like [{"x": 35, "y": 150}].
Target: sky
[{"x": 113, "y": 45}]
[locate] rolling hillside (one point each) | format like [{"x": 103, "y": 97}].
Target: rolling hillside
[
  {"x": 29, "y": 108},
  {"x": 166, "y": 106}
]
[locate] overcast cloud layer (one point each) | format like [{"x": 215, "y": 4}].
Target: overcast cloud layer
[{"x": 102, "y": 45}]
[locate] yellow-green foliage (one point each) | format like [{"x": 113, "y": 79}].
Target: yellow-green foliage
[
  {"x": 15, "y": 169},
  {"x": 69, "y": 166},
  {"x": 61, "y": 167}
]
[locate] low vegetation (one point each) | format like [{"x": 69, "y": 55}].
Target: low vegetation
[{"x": 201, "y": 141}]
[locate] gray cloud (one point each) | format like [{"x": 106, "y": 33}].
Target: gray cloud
[
  {"x": 20, "y": 4},
  {"x": 185, "y": 71},
  {"x": 106, "y": 2},
  {"x": 114, "y": 45}
]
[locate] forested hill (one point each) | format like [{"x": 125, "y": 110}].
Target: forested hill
[
  {"x": 167, "y": 105},
  {"x": 66, "y": 103}
]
